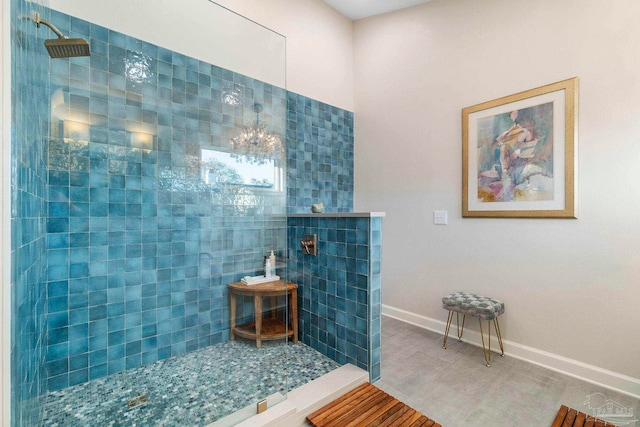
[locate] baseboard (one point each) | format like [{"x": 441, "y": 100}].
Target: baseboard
[{"x": 564, "y": 365}]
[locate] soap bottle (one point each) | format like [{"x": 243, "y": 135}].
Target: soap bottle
[
  {"x": 272, "y": 259},
  {"x": 267, "y": 267}
]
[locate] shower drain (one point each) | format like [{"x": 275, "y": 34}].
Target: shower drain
[{"x": 137, "y": 401}]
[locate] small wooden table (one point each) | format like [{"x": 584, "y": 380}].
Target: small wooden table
[{"x": 267, "y": 329}]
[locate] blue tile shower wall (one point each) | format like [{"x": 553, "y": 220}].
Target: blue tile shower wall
[
  {"x": 320, "y": 156},
  {"x": 29, "y": 92},
  {"x": 139, "y": 251},
  {"x": 140, "y": 247},
  {"x": 339, "y": 289}
]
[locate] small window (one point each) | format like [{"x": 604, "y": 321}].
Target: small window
[{"x": 223, "y": 168}]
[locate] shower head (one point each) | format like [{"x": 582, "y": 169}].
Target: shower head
[
  {"x": 66, "y": 48},
  {"x": 63, "y": 46}
]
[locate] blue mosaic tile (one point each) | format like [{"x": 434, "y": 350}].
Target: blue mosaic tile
[{"x": 213, "y": 382}]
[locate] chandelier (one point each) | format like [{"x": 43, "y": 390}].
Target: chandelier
[{"x": 255, "y": 144}]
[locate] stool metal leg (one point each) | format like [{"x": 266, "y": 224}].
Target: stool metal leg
[
  {"x": 499, "y": 334},
  {"x": 446, "y": 329},
  {"x": 460, "y": 329},
  {"x": 487, "y": 354}
]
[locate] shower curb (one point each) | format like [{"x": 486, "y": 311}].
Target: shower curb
[{"x": 307, "y": 398}]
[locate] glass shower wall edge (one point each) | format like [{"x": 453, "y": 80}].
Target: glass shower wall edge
[
  {"x": 226, "y": 39},
  {"x": 208, "y": 32}
]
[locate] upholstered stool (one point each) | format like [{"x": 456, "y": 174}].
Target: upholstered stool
[{"x": 477, "y": 306}]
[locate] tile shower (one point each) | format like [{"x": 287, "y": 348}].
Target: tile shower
[
  {"x": 121, "y": 254},
  {"x": 140, "y": 247}
]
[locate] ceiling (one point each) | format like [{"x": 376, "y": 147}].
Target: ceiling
[{"x": 358, "y": 9}]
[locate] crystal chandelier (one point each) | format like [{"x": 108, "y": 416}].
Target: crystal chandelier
[{"x": 255, "y": 144}]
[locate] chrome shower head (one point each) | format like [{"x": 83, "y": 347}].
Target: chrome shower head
[{"x": 63, "y": 46}]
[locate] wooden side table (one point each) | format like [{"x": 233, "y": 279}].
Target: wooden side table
[{"x": 264, "y": 329}]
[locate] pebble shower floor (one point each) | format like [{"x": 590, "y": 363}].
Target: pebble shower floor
[{"x": 192, "y": 389}]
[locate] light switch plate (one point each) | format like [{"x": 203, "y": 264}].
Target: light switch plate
[{"x": 440, "y": 218}]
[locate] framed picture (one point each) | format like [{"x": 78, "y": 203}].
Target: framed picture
[{"x": 519, "y": 154}]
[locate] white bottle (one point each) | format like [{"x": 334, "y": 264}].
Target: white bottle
[
  {"x": 272, "y": 260},
  {"x": 267, "y": 268}
]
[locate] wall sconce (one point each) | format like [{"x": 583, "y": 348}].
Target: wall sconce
[
  {"x": 75, "y": 131},
  {"x": 142, "y": 141}
]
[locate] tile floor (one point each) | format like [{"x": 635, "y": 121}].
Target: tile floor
[
  {"x": 454, "y": 387},
  {"x": 193, "y": 389}
]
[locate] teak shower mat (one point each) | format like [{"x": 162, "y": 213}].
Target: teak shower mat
[
  {"x": 568, "y": 417},
  {"x": 367, "y": 405}
]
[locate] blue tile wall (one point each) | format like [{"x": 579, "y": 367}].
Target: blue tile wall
[
  {"x": 319, "y": 155},
  {"x": 120, "y": 252},
  {"x": 339, "y": 289},
  {"x": 29, "y": 93},
  {"x": 140, "y": 247}
]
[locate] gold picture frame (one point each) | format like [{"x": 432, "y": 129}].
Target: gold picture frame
[{"x": 519, "y": 154}]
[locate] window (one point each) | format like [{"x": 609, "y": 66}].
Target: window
[{"x": 220, "y": 167}]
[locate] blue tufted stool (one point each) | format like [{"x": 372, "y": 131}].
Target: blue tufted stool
[{"x": 477, "y": 306}]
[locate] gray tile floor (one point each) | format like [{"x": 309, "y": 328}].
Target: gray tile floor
[{"x": 454, "y": 387}]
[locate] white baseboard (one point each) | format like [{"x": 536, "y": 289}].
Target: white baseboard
[{"x": 573, "y": 368}]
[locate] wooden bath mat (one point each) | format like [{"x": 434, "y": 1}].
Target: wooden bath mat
[
  {"x": 367, "y": 405},
  {"x": 568, "y": 417}
]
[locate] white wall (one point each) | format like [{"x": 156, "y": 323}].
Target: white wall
[
  {"x": 571, "y": 287},
  {"x": 197, "y": 28},
  {"x": 319, "y": 58},
  {"x": 319, "y": 45}
]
